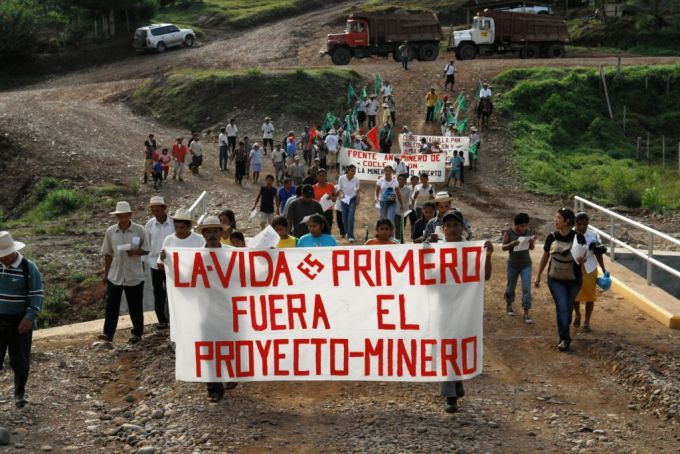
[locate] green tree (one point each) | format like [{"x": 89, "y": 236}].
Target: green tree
[{"x": 17, "y": 26}]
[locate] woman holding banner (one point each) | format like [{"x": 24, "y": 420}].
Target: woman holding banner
[{"x": 387, "y": 194}]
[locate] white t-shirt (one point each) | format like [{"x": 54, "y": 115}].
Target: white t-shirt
[
  {"x": 196, "y": 148},
  {"x": 372, "y": 107},
  {"x": 155, "y": 236},
  {"x": 450, "y": 69},
  {"x": 231, "y": 130},
  {"x": 222, "y": 139},
  {"x": 267, "y": 130},
  {"x": 386, "y": 90},
  {"x": 402, "y": 168},
  {"x": 332, "y": 142},
  {"x": 348, "y": 187},
  {"x": 591, "y": 261},
  {"x": 424, "y": 194},
  {"x": 383, "y": 184},
  {"x": 485, "y": 93},
  {"x": 278, "y": 156}
]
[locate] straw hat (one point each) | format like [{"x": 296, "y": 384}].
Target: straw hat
[
  {"x": 156, "y": 201},
  {"x": 122, "y": 208},
  {"x": 182, "y": 215},
  {"x": 442, "y": 196},
  {"x": 8, "y": 245},
  {"x": 210, "y": 222}
]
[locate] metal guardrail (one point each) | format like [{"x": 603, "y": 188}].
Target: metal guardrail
[
  {"x": 200, "y": 206},
  {"x": 580, "y": 203}
]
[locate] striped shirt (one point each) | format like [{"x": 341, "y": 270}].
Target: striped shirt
[{"x": 13, "y": 297}]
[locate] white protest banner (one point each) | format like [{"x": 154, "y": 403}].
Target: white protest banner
[
  {"x": 410, "y": 143},
  {"x": 370, "y": 164},
  {"x": 385, "y": 313}
]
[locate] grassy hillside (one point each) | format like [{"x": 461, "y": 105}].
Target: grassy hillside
[
  {"x": 235, "y": 13},
  {"x": 564, "y": 142},
  {"x": 447, "y": 10},
  {"x": 200, "y": 98}
]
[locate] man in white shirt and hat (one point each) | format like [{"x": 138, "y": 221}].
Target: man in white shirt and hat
[
  {"x": 21, "y": 299},
  {"x": 331, "y": 142},
  {"x": 267, "y": 134},
  {"x": 157, "y": 229},
  {"x": 123, "y": 247},
  {"x": 372, "y": 110},
  {"x": 450, "y": 73}
]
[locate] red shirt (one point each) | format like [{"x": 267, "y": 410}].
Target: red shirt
[
  {"x": 179, "y": 151},
  {"x": 319, "y": 192}
]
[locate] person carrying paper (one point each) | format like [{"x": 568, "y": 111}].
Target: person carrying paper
[{"x": 518, "y": 241}]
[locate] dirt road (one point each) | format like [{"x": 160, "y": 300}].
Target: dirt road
[{"x": 600, "y": 398}]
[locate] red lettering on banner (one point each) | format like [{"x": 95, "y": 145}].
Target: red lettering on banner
[
  {"x": 450, "y": 357},
  {"x": 199, "y": 270},
  {"x": 224, "y": 277},
  {"x": 236, "y": 311},
  {"x": 337, "y": 266},
  {"x": 317, "y": 352},
  {"x": 345, "y": 357},
  {"x": 227, "y": 359},
  {"x": 273, "y": 311},
  {"x": 240, "y": 372},
  {"x": 202, "y": 357},
  {"x": 380, "y": 312},
  {"x": 467, "y": 368},
  {"x": 425, "y": 358},
  {"x": 278, "y": 357},
  {"x": 320, "y": 313},
  {"x": 448, "y": 260},
  {"x": 242, "y": 269},
  {"x": 391, "y": 264},
  {"x": 300, "y": 311},
  {"x": 378, "y": 268},
  {"x": 282, "y": 269},
  {"x": 424, "y": 266},
  {"x": 175, "y": 266},
  {"x": 262, "y": 325},
  {"x": 263, "y": 350},
  {"x": 390, "y": 355},
  {"x": 369, "y": 351},
  {"x": 477, "y": 251},
  {"x": 296, "y": 357},
  {"x": 403, "y": 358},
  {"x": 402, "y": 316},
  {"x": 252, "y": 256},
  {"x": 362, "y": 269}
]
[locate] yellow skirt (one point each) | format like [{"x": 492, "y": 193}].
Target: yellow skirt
[{"x": 587, "y": 292}]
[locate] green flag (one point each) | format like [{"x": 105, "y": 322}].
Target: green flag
[
  {"x": 479, "y": 88},
  {"x": 450, "y": 119},
  {"x": 329, "y": 121},
  {"x": 350, "y": 94},
  {"x": 378, "y": 84},
  {"x": 473, "y": 150},
  {"x": 438, "y": 108},
  {"x": 364, "y": 96},
  {"x": 462, "y": 104},
  {"x": 461, "y": 126}
]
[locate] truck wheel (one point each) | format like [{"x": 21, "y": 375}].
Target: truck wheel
[
  {"x": 556, "y": 51},
  {"x": 529, "y": 52},
  {"x": 428, "y": 52},
  {"x": 467, "y": 52},
  {"x": 341, "y": 56}
]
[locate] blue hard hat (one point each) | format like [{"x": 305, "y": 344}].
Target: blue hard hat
[{"x": 604, "y": 282}]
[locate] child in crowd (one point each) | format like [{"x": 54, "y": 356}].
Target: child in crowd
[
  {"x": 422, "y": 193},
  {"x": 319, "y": 234},
  {"x": 403, "y": 206},
  {"x": 428, "y": 211},
  {"x": 237, "y": 239},
  {"x": 594, "y": 255},
  {"x": 280, "y": 224},
  {"x": 453, "y": 225},
  {"x": 269, "y": 203},
  {"x": 158, "y": 173},
  {"x": 228, "y": 220},
  {"x": 519, "y": 263},
  {"x": 166, "y": 159},
  {"x": 384, "y": 231}
]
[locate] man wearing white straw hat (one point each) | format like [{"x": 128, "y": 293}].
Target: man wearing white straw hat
[
  {"x": 183, "y": 237},
  {"x": 123, "y": 247},
  {"x": 21, "y": 298},
  {"x": 157, "y": 229},
  {"x": 212, "y": 229}
]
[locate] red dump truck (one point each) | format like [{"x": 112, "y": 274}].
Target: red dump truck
[
  {"x": 382, "y": 34},
  {"x": 500, "y": 32}
]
